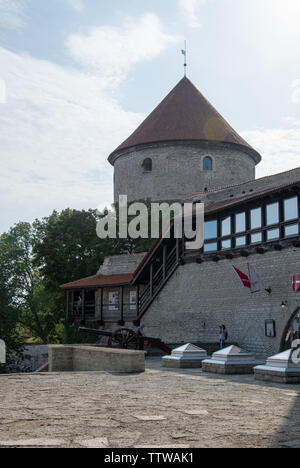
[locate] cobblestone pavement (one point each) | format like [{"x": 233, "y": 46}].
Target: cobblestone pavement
[{"x": 158, "y": 408}]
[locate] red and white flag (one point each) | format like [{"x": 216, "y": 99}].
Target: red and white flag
[
  {"x": 254, "y": 280},
  {"x": 296, "y": 283},
  {"x": 244, "y": 278}
]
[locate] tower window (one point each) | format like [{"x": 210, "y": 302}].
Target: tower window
[
  {"x": 147, "y": 165},
  {"x": 207, "y": 164}
]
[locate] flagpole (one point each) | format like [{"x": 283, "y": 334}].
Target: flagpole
[{"x": 185, "y": 62}]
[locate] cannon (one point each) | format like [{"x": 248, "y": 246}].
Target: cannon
[{"x": 126, "y": 338}]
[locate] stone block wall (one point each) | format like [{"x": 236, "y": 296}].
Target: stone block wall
[
  {"x": 93, "y": 359},
  {"x": 177, "y": 170},
  {"x": 198, "y": 298}
]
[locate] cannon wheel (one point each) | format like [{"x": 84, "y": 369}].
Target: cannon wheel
[{"x": 124, "y": 338}]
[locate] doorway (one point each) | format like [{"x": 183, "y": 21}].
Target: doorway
[{"x": 291, "y": 331}]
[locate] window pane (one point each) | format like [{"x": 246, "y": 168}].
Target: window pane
[
  {"x": 226, "y": 244},
  {"x": 207, "y": 164},
  {"x": 240, "y": 241},
  {"x": 256, "y": 218},
  {"x": 240, "y": 222},
  {"x": 256, "y": 238},
  {"x": 273, "y": 234},
  {"x": 210, "y": 230},
  {"x": 211, "y": 247},
  {"x": 291, "y": 209},
  {"x": 226, "y": 227},
  {"x": 291, "y": 230},
  {"x": 272, "y": 214}
]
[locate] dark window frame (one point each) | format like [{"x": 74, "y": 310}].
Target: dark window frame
[{"x": 263, "y": 230}]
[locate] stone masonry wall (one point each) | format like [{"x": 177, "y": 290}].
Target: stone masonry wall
[
  {"x": 177, "y": 170},
  {"x": 198, "y": 298}
]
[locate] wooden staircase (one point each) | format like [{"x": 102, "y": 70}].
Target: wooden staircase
[{"x": 160, "y": 278}]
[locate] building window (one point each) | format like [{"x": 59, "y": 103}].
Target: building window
[
  {"x": 147, "y": 165},
  {"x": 290, "y": 209},
  {"x": 210, "y": 230},
  {"x": 226, "y": 227},
  {"x": 240, "y": 222},
  {"x": 269, "y": 222},
  {"x": 207, "y": 164},
  {"x": 256, "y": 218},
  {"x": 272, "y": 214}
]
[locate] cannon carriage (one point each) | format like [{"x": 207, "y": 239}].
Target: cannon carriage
[{"x": 126, "y": 338}]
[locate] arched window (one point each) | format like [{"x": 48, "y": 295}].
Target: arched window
[
  {"x": 207, "y": 164},
  {"x": 147, "y": 165}
]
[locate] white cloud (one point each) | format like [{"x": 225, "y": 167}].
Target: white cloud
[
  {"x": 12, "y": 13},
  {"x": 57, "y": 128},
  {"x": 58, "y": 125},
  {"x": 78, "y": 5},
  {"x": 296, "y": 92},
  {"x": 279, "y": 148},
  {"x": 114, "y": 51},
  {"x": 190, "y": 9}
]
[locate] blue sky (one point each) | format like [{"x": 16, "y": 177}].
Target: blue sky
[{"x": 78, "y": 76}]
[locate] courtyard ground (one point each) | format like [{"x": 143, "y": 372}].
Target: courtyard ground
[{"x": 158, "y": 408}]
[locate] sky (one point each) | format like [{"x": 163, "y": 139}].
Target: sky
[{"x": 78, "y": 76}]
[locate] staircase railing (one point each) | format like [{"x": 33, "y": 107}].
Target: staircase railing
[{"x": 160, "y": 278}]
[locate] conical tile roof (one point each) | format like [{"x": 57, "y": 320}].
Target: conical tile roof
[{"x": 185, "y": 114}]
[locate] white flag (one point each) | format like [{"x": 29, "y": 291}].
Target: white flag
[{"x": 254, "y": 280}]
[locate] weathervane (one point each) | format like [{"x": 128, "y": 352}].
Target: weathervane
[{"x": 183, "y": 51}]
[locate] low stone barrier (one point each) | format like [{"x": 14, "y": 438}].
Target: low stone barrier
[
  {"x": 280, "y": 369},
  {"x": 88, "y": 359},
  {"x": 231, "y": 360},
  {"x": 185, "y": 357}
]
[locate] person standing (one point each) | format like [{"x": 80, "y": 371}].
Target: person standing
[{"x": 223, "y": 335}]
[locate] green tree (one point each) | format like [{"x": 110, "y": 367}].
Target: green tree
[
  {"x": 67, "y": 247},
  {"x": 21, "y": 281}
]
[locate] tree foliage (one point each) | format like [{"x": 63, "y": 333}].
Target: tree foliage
[{"x": 36, "y": 259}]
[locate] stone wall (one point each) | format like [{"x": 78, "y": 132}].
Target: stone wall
[
  {"x": 177, "y": 170},
  {"x": 89, "y": 358},
  {"x": 35, "y": 356},
  {"x": 198, "y": 298}
]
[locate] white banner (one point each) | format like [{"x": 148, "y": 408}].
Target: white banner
[
  {"x": 113, "y": 301},
  {"x": 132, "y": 300},
  {"x": 2, "y": 352},
  {"x": 254, "y": 280}
]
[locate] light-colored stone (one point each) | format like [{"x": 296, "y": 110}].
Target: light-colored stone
[
  {"x": 150, "y": 418},
  {"x": 279, "y": 368},
  {"x": 197, "y": 412},
  {"x": 92, "y": 443},
  {"x": 186, "y": 356},
  {"x": 40, "y": 442},
  {"x": 231, "y": 360},
  {"x": 162, "y": 446},
  {"x": 198, "y": 298},
  {"x": 89, "y": 358},
  {"x": 171, "y": 178}
]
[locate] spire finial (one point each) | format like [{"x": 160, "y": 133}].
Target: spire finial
[{"x": 183, "y": 51}]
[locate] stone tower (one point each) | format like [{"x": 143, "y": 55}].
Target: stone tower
[{"x": 183, "y": 147}]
